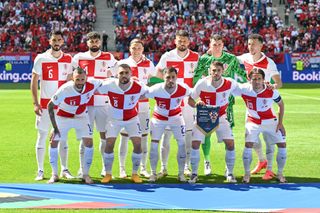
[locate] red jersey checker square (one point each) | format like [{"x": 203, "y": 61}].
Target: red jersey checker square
[{"x": 50, "y": 71}]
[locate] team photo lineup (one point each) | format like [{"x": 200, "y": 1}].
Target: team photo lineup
[{"x": 92, "y": 90}]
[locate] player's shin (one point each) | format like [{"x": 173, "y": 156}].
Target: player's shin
[
  {"x": 144, "y": 149},
  {"x": 258, "y": 149},
  {"x": 63, "y": 152},
  {"x": 270, "y": 154},
  {"x": 230, "y": 159},
  {"x": 41, "y": 148},
  {"x": 247, "y": 158},
  {"x": 123, "y": 150},
  {"x": 88, "y": 154},
  {"x": 165, "y": 149},
  {"x": 108, "y": 162},
  {"x": 53, "y": 157},
  {"x": 136, "y": 160},
  {"x": 206, "y": 146},
  {"x": 181, "y": 156},
  {"x": 188, "y": 143},
  {"x": 281, "y": 159},
  {"x": 154, "y": 157},
  {"x": 81, "y": 156},
  {"x": 102, "y": 147},
  {"x": 195, "y": 158}
]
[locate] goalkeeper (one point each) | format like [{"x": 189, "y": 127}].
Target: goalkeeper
[{"x": 232, "y": 70}]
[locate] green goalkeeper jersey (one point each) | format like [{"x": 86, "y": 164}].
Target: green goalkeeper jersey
[
  {"x": 231, "y": 69},
  {"x": 231, "y": 66}
]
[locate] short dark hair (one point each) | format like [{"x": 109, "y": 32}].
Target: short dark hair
[
  {"x": 216, "y": 37},
  {"x": 182, "y": 33},
  {"x": 170, "y": 70},
  {"x": 217, "y": 64},
  {"x": 55, "y": 32},
  {"x": 125, "y": 66},
  {"x": 256, "y": 71},
  {"x": 79, "y": 70},
  {"x": 256, "y": 36},
  {"x": 136, "y": 41},
  {"x": 93, "y": 35}
]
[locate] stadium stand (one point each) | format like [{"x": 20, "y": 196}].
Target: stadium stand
[
  {"x": 156, "y": 22},
  {"x": 25, "y": 24}
]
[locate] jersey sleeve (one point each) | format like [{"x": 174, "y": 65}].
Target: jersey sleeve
[
  {"x": 59, "y": 96},
  {"x": 37, "y": 66},
  {"x": 152, "y": 69},
  {"x": 241, "y": 58},
  {"x": 276, "y": 96},
  {"x": 75, "y": 61},
  {"x": 150, "y": 93},
  {"x": 238, "y": 73},
  {"x": 104, "y": 87},
  {"x": 113, "y": 65},
  {"x": 196, "y": 90},
  {"x": 272, "y": 68}
]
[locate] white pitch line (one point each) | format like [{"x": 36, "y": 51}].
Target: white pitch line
[{"x": 301, "y": 96}]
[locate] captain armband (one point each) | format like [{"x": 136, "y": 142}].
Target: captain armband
[{"x": 278, "y": 99}]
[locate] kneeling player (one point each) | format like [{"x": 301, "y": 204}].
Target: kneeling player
[{"x": 168, "y": 113}]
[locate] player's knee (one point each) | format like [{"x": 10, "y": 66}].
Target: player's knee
[
  {"x": 41, "y": 140},
  {"x": 196, "y": 144},
  {"x": 249, "y": 144},
  {"x": 229, "y": 145},
  {"x": 281, "y": 145}
]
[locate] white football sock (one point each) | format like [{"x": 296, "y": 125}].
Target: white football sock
[
  {"x": 281, "y": 159},
  {"x": 270, "y": 154},
  {"x": 136, "y": 160},
  {"x": 154, "y": 157},
  {"x": 181, "y": 156},
  {"x": 188, "y": 147},
  {"x": 88, "y": 154},
  {"x": 195, "y": 158},
  {"x": 247, "y": 158},
  {"x": 165, "y": 149},
  {"x": 41, "y": 148},
  {"x": 54, "y": 160},
  {"x": 230, "y": 159},
  {"x": 63, "y": 152},
  {"x": 123, "y": 150},
  {"x": 81, "y": 155},
  {"x": 144, "y": 149},
  {"x": 108, "y": 162},
  {"x": 102, "y": 147},
  {"x": 258, "y": 149}
]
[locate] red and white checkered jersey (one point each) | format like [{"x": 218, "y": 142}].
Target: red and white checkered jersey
[
  {"x": 100, "y": 67},
  {"x": 265, "y": 63},
  {"x": 214, "y": 96},
  {"x": 259, "y": 105},
  {"x": 142, "y": 70},
  {"x": 168, "y": 105},
  {"x": 124, "y": 104},
  {"x": 185, "y": 66},
  {"x": 70, "y": 102},
  {"x": 52, "y": 73}
]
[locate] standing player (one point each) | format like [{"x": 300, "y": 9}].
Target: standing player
[
  {"x": 142, "y": 69},
  {"x": 72, "y": 99},
  {"x": 231, "y": 69},
  {"x": 98, "y": 65},
  {"x": 214, "y": 90},
  {"x": 168, "y": 113},
  {"x": 261, "y": 119},
  {"x": 124, "y": 94},
  {"x": 185, "y": 61},
  {"x": 256, "y": 59},
  {"x": 53, "y": 68}
]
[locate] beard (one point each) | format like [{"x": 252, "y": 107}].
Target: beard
[
  {"x": 124, "y": 81},
  {"x": 182, "y": 48},
  {"x": 94, "y": 49},
  {"x": 56, "y": 48}
]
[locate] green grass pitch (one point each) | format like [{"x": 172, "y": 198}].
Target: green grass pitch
[
  {"x": 18, "y": 135},
  {"x": 302, "y": 116}
]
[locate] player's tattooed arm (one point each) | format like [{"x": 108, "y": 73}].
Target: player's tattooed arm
[{"x": 52, "y": 118}]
